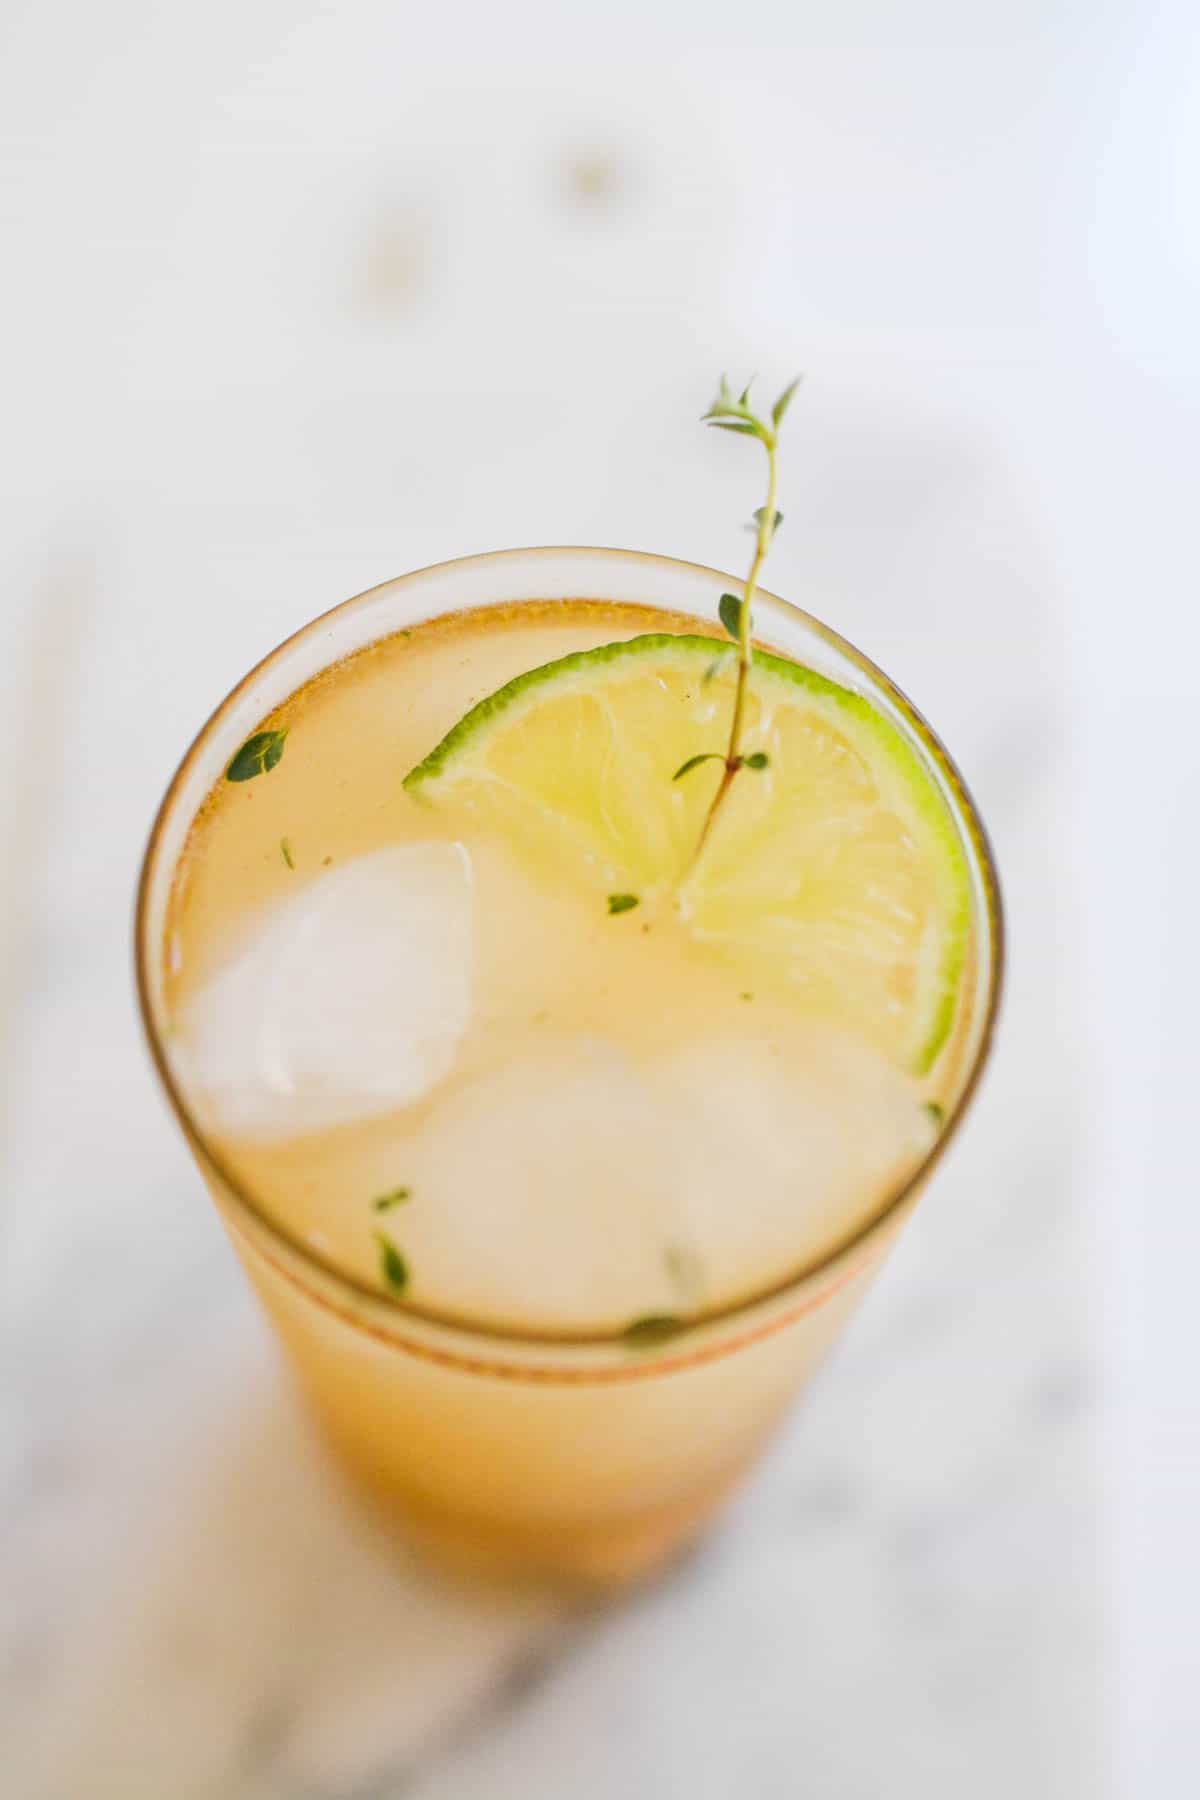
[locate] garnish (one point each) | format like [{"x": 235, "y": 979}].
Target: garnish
[
  {"x": 257, "y": 756},
  {"x": 875, "y": 940},
  {"x": 286, "y": 851},
  {"x": 394, "y": 1197},
  {"x": 934, "y": 1113},
  {"x": 392, "y": 1265},
  {"x": 655, "y": 1328},
  {"x": 729, "y": 414}
]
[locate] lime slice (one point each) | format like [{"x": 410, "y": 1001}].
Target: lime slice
[{"x": 835, "y": 872}]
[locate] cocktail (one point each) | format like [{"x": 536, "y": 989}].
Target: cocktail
[{"x": 562, "y": 1062}]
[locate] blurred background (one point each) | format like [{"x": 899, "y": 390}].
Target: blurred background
[{"x": 295, "y": 298}]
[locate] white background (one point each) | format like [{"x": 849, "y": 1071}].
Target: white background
[{"x": 294, "y": 299}]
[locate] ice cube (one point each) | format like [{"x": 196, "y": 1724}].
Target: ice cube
[
  {"x": 571, "y": 1185},
  {"x": 345, "y": 1000},
  {"x": 778, "y": 1160},
  {"x": 544, "y": 1195}
]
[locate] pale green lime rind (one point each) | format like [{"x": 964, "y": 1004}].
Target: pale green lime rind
[{"x": 882, "y": 744}]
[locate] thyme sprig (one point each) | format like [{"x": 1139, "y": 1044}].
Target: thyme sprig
[{"x": 735, "y": 413}]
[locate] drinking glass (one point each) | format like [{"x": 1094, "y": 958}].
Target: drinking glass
[{"x": 571, "y": 1455}]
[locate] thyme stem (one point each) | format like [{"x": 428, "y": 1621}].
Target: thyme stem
[{"x": 728, "y": 414}]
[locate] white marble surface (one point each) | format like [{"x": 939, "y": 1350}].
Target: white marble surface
[{"x": 299, "y": 303}]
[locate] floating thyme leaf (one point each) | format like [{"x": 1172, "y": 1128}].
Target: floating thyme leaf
[
  {"x": 619, "y": 903},
  {"x": 758, "y": 759},
  {"x": 715, "y": 666},
  {"x": 392, "y": 1265},
  {"x": 745, "y": 996},
  {"x": 935, "y": 1113},
  {"x": 730, "y": 610},
  {"x": 257, "y": 756},
  {"x": 394, "y": 1197},
  {"x": 286, "y": 850},
  {"x": 655, "y": 1328},
  {"x": 693, "y": 762}
]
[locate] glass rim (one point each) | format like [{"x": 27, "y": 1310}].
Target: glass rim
[{"x": 384, "y": 1316}]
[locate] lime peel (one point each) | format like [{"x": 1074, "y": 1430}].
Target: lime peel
[{"x": 838, "y": 867}]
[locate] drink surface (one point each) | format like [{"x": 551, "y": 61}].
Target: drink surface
[{"x": 443, "y": 1066}]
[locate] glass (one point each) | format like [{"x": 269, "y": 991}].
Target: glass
[{"x": 570, "y": 1456}]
